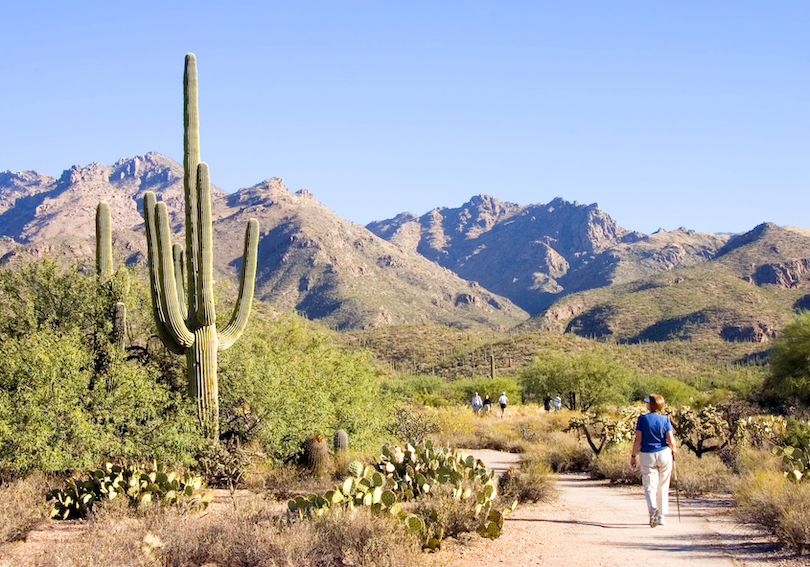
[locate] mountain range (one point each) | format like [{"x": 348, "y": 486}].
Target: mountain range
[{"x": 557, "y": 266}]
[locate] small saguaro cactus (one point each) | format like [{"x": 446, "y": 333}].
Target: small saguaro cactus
[
  {"x": 190, "y": 326},
  {"x": 118, "y": 285}
]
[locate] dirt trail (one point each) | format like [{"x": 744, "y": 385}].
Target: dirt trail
[{"x": 593, "y": 524}]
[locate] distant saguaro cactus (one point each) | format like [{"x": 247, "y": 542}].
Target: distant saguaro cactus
[
  {"x": 117, "y": 286},
  {"x": 190, "y": 327}
]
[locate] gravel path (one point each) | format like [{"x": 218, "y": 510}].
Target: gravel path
[{"x": 593, "y": 524}]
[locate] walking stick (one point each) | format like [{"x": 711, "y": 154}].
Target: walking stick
[{"x": 677, "y": 487}]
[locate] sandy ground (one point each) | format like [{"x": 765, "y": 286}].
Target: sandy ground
[{"x": 593, "y": 524}]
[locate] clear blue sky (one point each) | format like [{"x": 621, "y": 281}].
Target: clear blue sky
[{"x": 667, "y": 114}]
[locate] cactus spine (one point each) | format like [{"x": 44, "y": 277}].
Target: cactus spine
[
  {"x": 104, "y": 269},
  {"x": 190, "y": 327}
]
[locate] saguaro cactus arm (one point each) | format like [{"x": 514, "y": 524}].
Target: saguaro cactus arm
[
  {"x": 247, "y": 279},
  {"x": 153, "y": 255},
  {"x": 173, "y": 315},
  {"x": 180, "y": 277}
]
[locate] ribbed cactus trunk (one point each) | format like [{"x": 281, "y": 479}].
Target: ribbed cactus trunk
[
  {"x": 104, "y": 261},
  {"x": 104, "y": 271},
  {"x": 188, "y": 324}
]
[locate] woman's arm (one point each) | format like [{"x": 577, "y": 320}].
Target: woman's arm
[
  {"x": 670, "y": 441},
  {"x": 635, "y": 449}
]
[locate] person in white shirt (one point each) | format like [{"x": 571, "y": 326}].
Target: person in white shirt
[
  {"x": 557, "y": 403},
  {"x": 503, "y": 400},
  {"x": 477, "y": 404}
]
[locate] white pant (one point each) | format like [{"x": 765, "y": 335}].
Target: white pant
[{"x": 656, "y": 471}]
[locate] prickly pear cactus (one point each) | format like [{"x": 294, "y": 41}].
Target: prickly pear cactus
[{"x": 405, "y": 473}]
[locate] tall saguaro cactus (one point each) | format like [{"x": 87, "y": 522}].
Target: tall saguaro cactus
[
  {"x": 190, "y": 326},
  {"x": 118, "y": 286}
]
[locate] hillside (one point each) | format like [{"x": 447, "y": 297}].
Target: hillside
[
  {"x": 310, "y": 260},
  {"x": 746, "y": 293}
]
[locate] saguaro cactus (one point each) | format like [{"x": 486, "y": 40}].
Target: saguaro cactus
[
  {"x": 190, "y": 326},
  {"x": 118, "y": 287}
]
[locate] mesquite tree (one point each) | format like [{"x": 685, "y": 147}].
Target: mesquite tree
[{"x": 188, "y": 325}]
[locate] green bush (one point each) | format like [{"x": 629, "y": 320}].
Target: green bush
[
  {"x": 674, "y": 391},
  {"x": 593, "y": 377},
  {"x": 57, "y": 414},
  {"x": 284, "y": 379}
]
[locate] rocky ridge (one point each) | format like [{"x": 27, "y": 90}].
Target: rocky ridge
[
  {"x": 536, "y": 254},
  {"x": 309, "y": 258}
]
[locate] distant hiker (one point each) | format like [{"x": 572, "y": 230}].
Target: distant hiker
[
  {"x": 547, "y": 402},
  {"x": 477, "y": 404},
  {"x": 503, "y": 400},
  {"x": 656, "y": 443},
  {"x": 487, "y": 405},
  {"x": 557, "y": 403}
]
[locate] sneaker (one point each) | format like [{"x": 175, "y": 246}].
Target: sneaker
[
  {"x": 654, "y": 517},
  {"x": 661, "y": 520}
]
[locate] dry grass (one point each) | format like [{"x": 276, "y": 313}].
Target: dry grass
[
  {"x": 776, "y": 505},
  {"x": 614, "y": 464},
  {"x": 695, "y": 476},
  {"x": 252, "y": 536},
  {"x": 23, "y": 506},
  {"x": 524, "y": 429},
  {"x": 533, "y": 482},
  {"x": 563, "y": 452},
  {"x": 702, "y": 476}
]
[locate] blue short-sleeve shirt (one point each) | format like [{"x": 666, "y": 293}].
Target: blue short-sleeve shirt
[{"x": 653, "y": 427}]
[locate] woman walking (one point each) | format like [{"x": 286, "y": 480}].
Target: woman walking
[{"x": 655, "y": 442}]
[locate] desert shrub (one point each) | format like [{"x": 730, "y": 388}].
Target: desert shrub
[
  {"x": 614, "y": 464},
  {"x": 775, "y": 504},
  {"x": 789, "y": 376},
  {"x": 532, "y": 482},
  {"x": 411, "y": 423},
  {"x": 22, "y": 506},
  {"x": 250, "y": 536},
  {"x": 701, "y": 476},
  {"x": 284, "y": 379},
  {"x": 457, "y": 426},
  {"x": 424, "y": 390},
  {"x": 563, "y": 452},
  {"x": 57, "y": 414},
  {"x": 222, "y": 465},
  {"x": 288, "y": 481}
]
